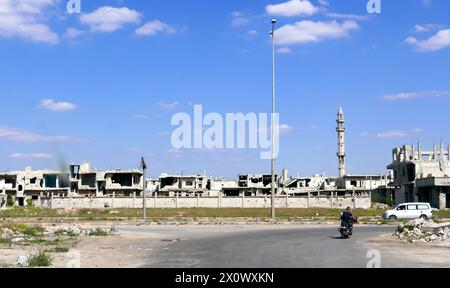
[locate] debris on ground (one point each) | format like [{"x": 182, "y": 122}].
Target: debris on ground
[
  {"x": 380, "y": 206},
  {"x": 424, "y": 231},
  {"x": 73, "y": 230},
  {"x": 22, "y": 261}
]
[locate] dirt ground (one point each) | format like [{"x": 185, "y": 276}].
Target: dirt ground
[
  {"x": 436, "y": 254},
  {"x": 128, "y": 249}
]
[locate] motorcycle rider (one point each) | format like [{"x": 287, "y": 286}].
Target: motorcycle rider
[{"x": 348, "y": 218}]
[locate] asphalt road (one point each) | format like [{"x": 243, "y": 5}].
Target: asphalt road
[{"x": 267, "y": 247}]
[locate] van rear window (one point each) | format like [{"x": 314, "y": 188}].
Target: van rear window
[{"x": 423, "y": 207}]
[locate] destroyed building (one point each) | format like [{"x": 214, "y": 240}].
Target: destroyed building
[
  {"x": 422, "y": 175},
  {"x": 90, "y": 182},
  {"x": 81, "y": 181},
  {"x": 182, "y": 185}
]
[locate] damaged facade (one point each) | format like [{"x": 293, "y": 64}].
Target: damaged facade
[
  {"x": 422, "y": 176},
  {"x": 419, "y": 176},
  {"x": 79, "y": 181}
]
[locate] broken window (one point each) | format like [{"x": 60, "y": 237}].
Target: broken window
[
  {"x": 189, "y": 183},
  {"x": 63, "y": 181},
  {"x": 125, "y": 180},
  {"x": 11, "y": 180},
  {"x": 169, "y": 181},
  {"x": 88, "y": 180},
  {"x": 33, "y": 180},
  {"x": 75, "y": 171},
  {"x": 50, "y": 181},
  {"x": 411, "y": 172},
  {"x": 137, "y": 179},
  {"x": 101, "y": 187}
]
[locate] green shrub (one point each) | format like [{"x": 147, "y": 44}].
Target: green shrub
[
  {"x": 58, "y": 250},
  {"x": 30, "y": 202},
  {"x": 10, "y": 201},
  {"x": 41, "y": 259},
  {"x": 98, "y": 232}
]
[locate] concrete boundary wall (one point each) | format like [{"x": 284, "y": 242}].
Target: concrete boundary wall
[{"x": 204, "y": 202}]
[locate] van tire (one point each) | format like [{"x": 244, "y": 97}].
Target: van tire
[
  {"x": 424, "y": 217},
  {"x": 392, "y": 217}
]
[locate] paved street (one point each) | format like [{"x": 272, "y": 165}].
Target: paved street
[{"x": 269, "y": 247}]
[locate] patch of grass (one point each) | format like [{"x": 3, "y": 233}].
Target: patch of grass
[
  {"x": 442, "y": 214},
  {"x": 30, "y": 203},
  {"x": 19, "y": 228},
  {"x": 10, "y": 201},
  {"x": 28, "y": 212},
  {"x": 33, "y": 231},
  {"x": 5, "y": 241},
  {"x": 98, "y": 232},
  {"x": 58, "y": 250},
  {"x": 42, "y": 259},
  {"x": 104, "y": 214}
]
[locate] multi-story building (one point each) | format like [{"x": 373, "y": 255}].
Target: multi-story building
[{"x": 422, "y": 175}]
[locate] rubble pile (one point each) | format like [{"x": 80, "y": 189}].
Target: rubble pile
[
  {"x": 6, "y": 233},
  {"x": 380, "y": 206},
  {"x": 421, "y": 230},
  {"x": 73, "y": 230}
]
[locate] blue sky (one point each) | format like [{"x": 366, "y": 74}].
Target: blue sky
[{"x": 103, "y": 85}]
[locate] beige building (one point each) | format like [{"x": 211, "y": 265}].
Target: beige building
[{"x": 422, "y": 175}]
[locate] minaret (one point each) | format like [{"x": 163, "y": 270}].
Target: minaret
[{"x": 341, "y": 142}]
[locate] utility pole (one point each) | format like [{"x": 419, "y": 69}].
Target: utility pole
[
  {"x": 274, "y": 21},
  {"x": 144, "y": 189}
]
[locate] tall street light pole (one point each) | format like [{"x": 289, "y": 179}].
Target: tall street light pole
[
  {"x": 144, "y": 189},
  {"x": 274, "y": 21}
]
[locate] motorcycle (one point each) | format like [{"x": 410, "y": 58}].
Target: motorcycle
[{"x": 346, "y": 229}]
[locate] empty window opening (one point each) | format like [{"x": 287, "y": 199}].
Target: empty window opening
[
  {"x": 50, "y": 181},
  {"x": 88, "y": 180},
  {"x": 124, "y": 180}
]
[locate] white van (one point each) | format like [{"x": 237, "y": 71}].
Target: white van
[{"x": 409, "y": 211}]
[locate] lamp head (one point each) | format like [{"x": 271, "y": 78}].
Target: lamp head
[{"x": 274, "y": 21}]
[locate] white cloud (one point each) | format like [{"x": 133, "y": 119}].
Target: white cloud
[
  {"x": 364, "y": 134},
  {"x": 168, "y": 106},
  {"x": 73, "y": 33},
  {"x": 24, "y": 19},
  {"x": 19, "y": 135},
  {"x": 51, "y": 105},
  {"x": 284, "y": 50},
  {"x": 175, "y": 153},
  {"x": 415, "y": 95},
  {"x": 140, "y": 116},
  {"x": 398, "y": 133},
  {"x": 31, "y": 156},
  {"x": 313, "y": 32},
  {"x": 347, "y": 16},
  {"x": 282, "y": 129},
  {"x": 285, "y": 128},
  {"x": 153, "y": 28},
  {"x": 110, "y": 19},
  {"x": 392, "y": 134},
  {"x": 252, "y": 33},
  {"x": 133, "y": 149},
  {"x": 436, "y": 42},
  {"x": 292, "y": 8},
  {"x": 427, "y": 28},
  {"x": 238, "y": 19},
  {"x": 164, "y": 133}
]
